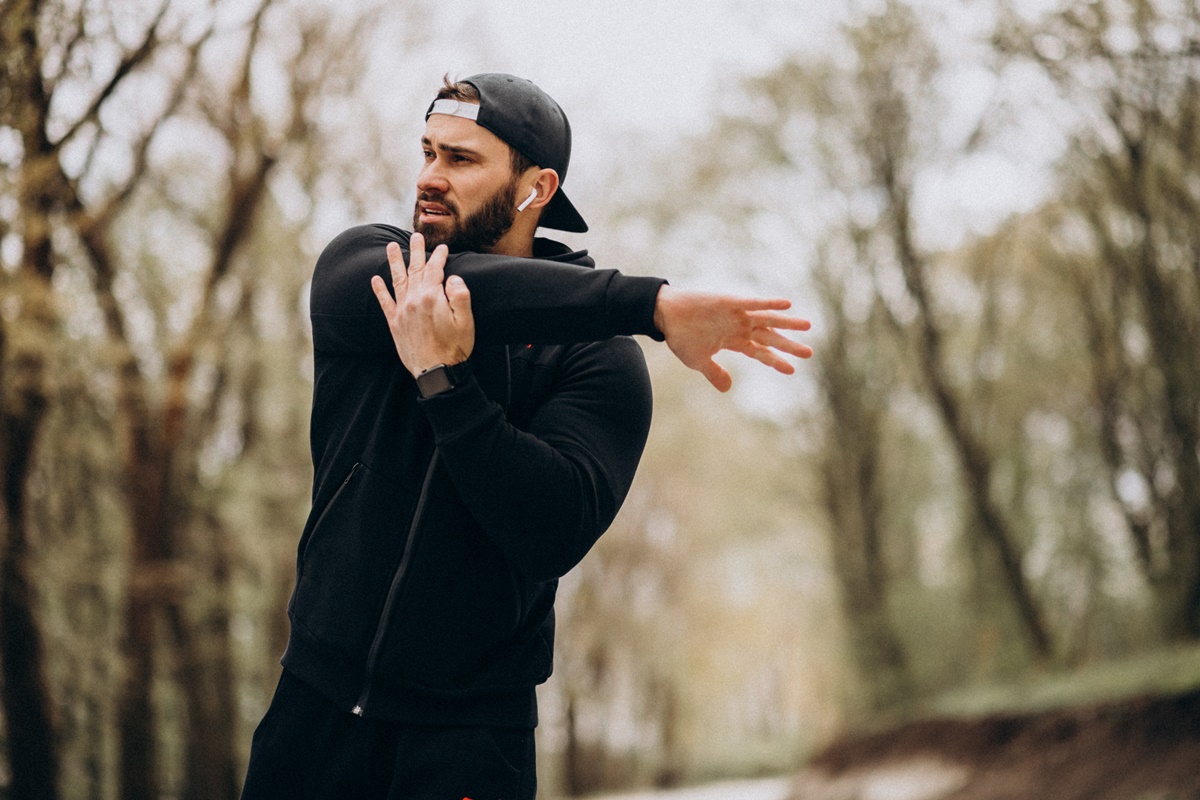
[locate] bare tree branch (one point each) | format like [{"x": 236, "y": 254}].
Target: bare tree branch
[
  {"x": 141, "y": 149},
  {"x": 78, "y": 37},
  {"x": 130, "y": 62}
]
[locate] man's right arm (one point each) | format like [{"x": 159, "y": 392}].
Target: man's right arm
[
  {"x": 514, "y": 300},
  {"x": 533, "y": 301}
]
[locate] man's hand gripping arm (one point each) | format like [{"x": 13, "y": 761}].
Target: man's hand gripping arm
[{"x": 431, "y": 323}]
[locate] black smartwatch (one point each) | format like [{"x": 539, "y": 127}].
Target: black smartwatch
[{"x": 442, "y": 378}]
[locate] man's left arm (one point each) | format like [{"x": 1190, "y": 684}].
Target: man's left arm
[{"x": 545, "y": 494}]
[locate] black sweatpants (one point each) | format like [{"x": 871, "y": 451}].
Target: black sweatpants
[{"x": 307, "y": 749}]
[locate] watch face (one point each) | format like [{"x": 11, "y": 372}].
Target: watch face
[{"x": 434, "y": 381}]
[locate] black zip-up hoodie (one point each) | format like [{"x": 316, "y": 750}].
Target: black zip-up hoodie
[{"x": 427, "y": 569}]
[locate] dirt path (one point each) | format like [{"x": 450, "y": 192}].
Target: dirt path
[
  {"x": 766, "y": 789},
  {"x": 1140, "y": 749}
]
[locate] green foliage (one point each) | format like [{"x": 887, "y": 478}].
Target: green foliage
[
  {"x": 1152, "y": 672},
  {"x": 1042, "y": 373},
  {"x": 769, "y": 579},
  {"x": 699, "y": 636}
]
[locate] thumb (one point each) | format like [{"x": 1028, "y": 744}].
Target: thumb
[{"x": 717, "y": 375}]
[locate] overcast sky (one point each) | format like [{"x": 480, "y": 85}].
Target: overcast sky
[
  {"x": 643, "y": 63},
  {"x": 658, "y": 69}
]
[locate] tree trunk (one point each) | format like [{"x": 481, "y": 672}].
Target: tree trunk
[
  {"x": 897, "y": 65},
  {"x": 149, "y": 587},
  {"x": 24, "y": 399},
  {"x": 135, "y": 709},
  {"x": 211, "y": 771},
  {"x": 1130, "y": 179},
  {"x": 973, "y": 456},
  {"x": 32, "y": 755},
  {"x": 853, "y": 502},
  {"x": 1138, "y": 273}
]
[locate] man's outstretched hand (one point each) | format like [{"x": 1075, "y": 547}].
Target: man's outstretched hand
[{"x": 698, "y": 325}]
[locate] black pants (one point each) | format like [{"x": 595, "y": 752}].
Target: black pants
[{"x": 306, "y": 749}]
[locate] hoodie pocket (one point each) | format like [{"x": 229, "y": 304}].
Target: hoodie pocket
[{"x": 346, "y": 565}]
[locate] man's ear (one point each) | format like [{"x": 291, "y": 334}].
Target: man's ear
[{"x": 546, "y": 184}]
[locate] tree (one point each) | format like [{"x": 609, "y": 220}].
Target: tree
[
  {"x": 891, "y": 85},
  {"x": 832, "y": 153},
  {"x": 1125, "y": 238},
  {"x": 855, "y": 380},
  {"x": 695, "y": 640},
  {"x": 166, "y": 295}
]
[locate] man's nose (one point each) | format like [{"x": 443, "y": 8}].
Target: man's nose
[{"x": 432, "y": 178}]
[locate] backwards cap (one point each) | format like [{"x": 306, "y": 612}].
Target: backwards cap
[{"x": 529, "y": 121}]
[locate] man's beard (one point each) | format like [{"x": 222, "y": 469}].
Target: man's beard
[{"x": 476, "y": 233}]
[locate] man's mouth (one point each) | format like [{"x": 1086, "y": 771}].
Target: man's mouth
[{"x": 433, "y": 212}]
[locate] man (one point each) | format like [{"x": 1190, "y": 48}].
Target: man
[{"x": 472, "y": 437}]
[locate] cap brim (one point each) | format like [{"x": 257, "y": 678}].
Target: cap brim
[{"x": 561, "y": 215}]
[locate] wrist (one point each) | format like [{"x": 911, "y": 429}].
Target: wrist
[
  {"x": 662, "y": 305},
  {"x": 448, "y": 358},
  {"x": 441, "y": 378}
]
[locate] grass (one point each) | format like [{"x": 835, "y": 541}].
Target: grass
[{"x": 1162, "y": 672}]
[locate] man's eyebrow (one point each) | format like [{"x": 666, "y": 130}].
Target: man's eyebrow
[{"x": 457, "y": 149}]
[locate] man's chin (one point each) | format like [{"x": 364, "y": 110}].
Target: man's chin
[{"x": 434, "y": 234}]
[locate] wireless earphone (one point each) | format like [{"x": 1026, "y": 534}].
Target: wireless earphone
[{"x": 525, "y": 203}]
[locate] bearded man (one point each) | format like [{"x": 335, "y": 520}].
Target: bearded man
[{"x": 478, "y": 416}]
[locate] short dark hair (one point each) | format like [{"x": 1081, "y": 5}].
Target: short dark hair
[{"x": 465, "y": 92}]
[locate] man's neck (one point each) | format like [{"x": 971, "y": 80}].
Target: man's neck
[{"x": 513, "y": 243}]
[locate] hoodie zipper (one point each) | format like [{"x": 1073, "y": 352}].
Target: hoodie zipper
[{"x": 385, "y": 616}]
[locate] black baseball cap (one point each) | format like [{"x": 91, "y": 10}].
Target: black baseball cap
[{"x": 528, "y": 120}]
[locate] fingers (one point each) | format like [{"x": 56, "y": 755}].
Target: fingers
[
  {"x": 759, "y": 303},
  {"x": 385, "y": 298},
  {"x": 766, "y": 355},
  {"x": 435, "y": 268},
  {"x": 767, "y": 319},
  {"x": 459, "y": 297},
  {"x": 770, "y": 338},
  {"x": 416, "y": 257},
  {"x": 767, "y": 346},
  {"x": 396, "y": 261},
  {"x": 420, "y": 271}
]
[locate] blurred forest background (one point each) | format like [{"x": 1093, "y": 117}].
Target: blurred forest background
[{"x": 990, "y": 470}]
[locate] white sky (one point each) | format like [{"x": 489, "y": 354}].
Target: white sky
[
  {"x": 656, "y": 69},
  {"x": 620, "y": 60},
  {"x": 628, "y": 72}
]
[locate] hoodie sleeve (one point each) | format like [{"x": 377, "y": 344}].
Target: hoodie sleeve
[
  {"x": 545, "y": 495},
  {"x": 514, "y": 300}
]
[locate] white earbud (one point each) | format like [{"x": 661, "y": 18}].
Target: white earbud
[{"x": 525, "y": 203}]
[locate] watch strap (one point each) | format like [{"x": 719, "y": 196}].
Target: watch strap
[{"x": 441, "y": 378}]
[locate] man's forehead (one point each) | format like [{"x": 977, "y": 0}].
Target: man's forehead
[{"x": 444, "y": 130}]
